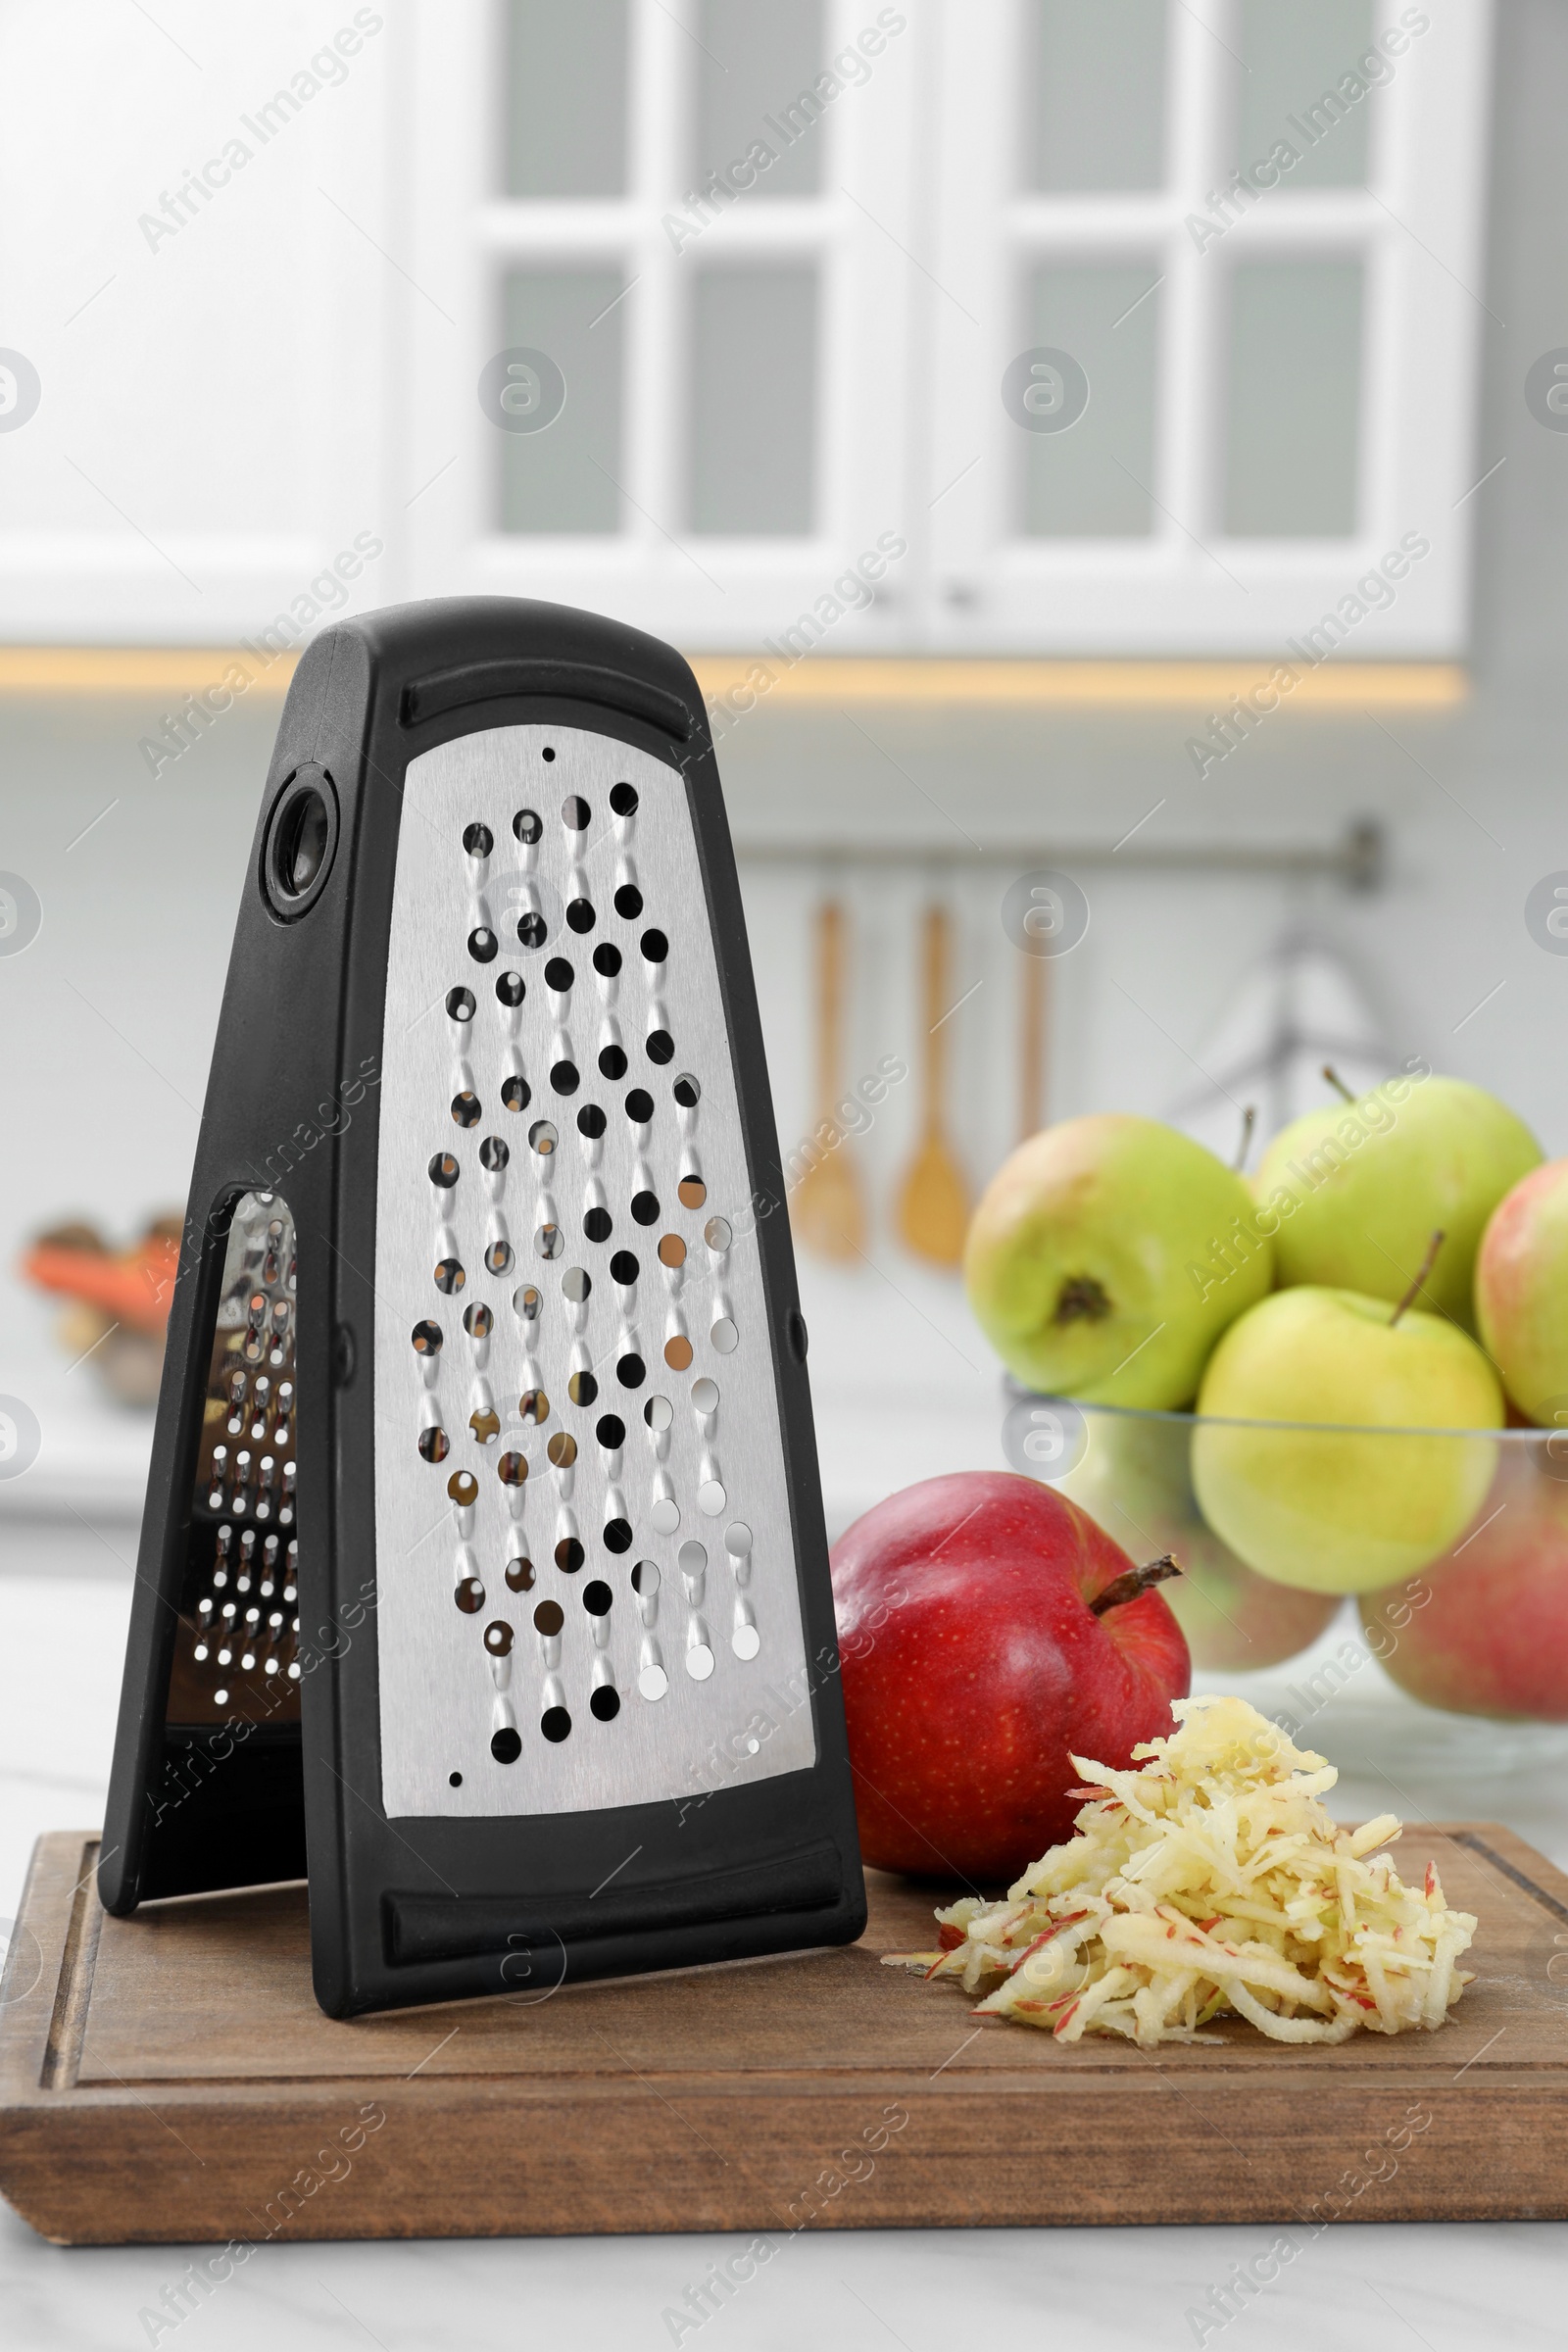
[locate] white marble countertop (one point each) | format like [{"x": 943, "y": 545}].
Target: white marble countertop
[{"x": 1360, "y": 2288}]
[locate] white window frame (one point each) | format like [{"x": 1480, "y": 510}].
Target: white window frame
[{"x": 1188, "y": 588}]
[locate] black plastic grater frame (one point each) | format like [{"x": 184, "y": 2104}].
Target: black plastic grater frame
[{"x": 428, "y": 1906}]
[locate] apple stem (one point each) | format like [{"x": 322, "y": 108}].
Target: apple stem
[
  {"x": 1424, "y": 1269},
  {"x": 1248, "y": 1116},
  {"x": 1337, "y": 1082},
  {"x": 1135, "y": 1581}
]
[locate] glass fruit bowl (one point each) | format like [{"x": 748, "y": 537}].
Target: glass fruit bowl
[{"x": 1452, "y": 1542}]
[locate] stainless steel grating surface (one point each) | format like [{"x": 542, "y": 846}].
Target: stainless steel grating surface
[{"x": 585, "y": 1561}]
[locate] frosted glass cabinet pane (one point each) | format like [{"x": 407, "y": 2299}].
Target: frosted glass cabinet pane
[
  {"x": 1298, "y": 55},
  {"x": 759, "y": 61},
  {"x": 1095, "y": 94},
  {"x": 1294, "y": 424},
  {"x": 566, "y": 98},
  {"x": 1092, "y": 478},
  {"x": 563, "y": 474},
  {"x": 753, "y": 401}
]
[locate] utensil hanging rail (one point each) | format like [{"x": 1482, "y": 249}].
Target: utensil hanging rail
[{"x": 1358, "y": 859}]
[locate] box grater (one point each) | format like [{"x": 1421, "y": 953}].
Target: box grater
[{"x": 483, "y": 1577}]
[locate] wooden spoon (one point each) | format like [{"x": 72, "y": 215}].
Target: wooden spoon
[
  {"x": 933, "y": 1209},
  {"x": 827, "y": 1208}
]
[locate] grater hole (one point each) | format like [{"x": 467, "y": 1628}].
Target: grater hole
[
  {"x": 629, "y": 902},
  {"x": 603, "y": 1704},
  {"x": 582, "y": 1388},
  {"x": 699, "y": 1661},
  {"x": 478, "y": 840},
  {"x": 526, "y": 1302},
  {"x": 563, "y": 1450},
  {"x": 664, "y": 1514},
  {"x": 659, "y": 1413},
  {"x": 493, "y": 1153},
  {"x": 463, "y": 1488},
  {"x": 596, "y": 1598},
  {"x": 618, "y": 1534},
  {"x": 505, "y": 1746},
  {"x": 671, "y": 1249},
  {"x": 624, "y": 1269},
  {"x": 645, "y": 1578},
  {"x": 550, "y": 1240},
  {"x": 611, "y": 1430},
  {"x": 693, "y": 1192},
  {"x": 483, "y": 945},
  {"x": 542, "y": 1138},
  {"x": 426, "y": 1339},
  {"x": 737, "y": 1538},
  {"x": 580, "y": 915},
  {"x": 558, "y": 975},
  {"x": 532, "y": 929},
  {"x": 660, "y": 1046},
  {"x": 443, "y": 1170},
  {"x": 454, "y": 1778},
  {"x": 705, "y": 1396},
  {"x": 639, "y": 1107},
  {"x": 654, "y": 945},
  {"x": 724, "y": 1336},
  {"x": 686, "y": 1091},
  {"x": 607, "y": 960},
  {"x": 693, "y": 1557},
  {"x": 434, "y": 1445},
  {"x": 632, "y": 1371},
  {"x": 513, "y": 1471},
  {"x": 624, "y": 800},
  {"x": 547, "y": 752},
  {"x": 569, "y": 1555},
  {"x": 449, "y": 1276},
  {"x": 718, "y": 1234},
  {"x": 498, "y": 1257},
  {"x": 556, "y": 1725},
  {"x": 645, "y": 1208},
  {"x": 575, "y": 813},
  {"x": 498, "y": 1638},
  {"x": 591, "y": 1122},
  {"x": 563, "y": 1077},
  {"x": 613, "y": 1061},
  {"x": 519, "y": 1576},
  {"x": 477, "y": 1321},
  {"x": 597, "y": 1224},
  {"x": 710, "y": 1498},
  {"x": 512, "y": 988},
  {"x": 652, "y": 1681},
  {"x": 534, "y": 1405},
  {"x": 576, "y": 1285},
  {"x": 514, "y": 1092},
  {"x": 746, "y": 1642},
  {"x": 485, "y": 1424},
  {"x": 678, "y": 1352},
  {"x": 466, "y": 1109},
  {"x": 549, "y": 1618},
  {"x": 460, "y": 1004},
  {"x": 529, "y": 826}
]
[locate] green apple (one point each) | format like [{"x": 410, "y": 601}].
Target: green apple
[
  {"x": 1371, "y": 1478},
  {"x": 1522, "y": 1291},
  {"x": 1352, "y": 1192},
  {"x": 1107, "y": 1257},
  {"x": 1134, "y": 1479}
]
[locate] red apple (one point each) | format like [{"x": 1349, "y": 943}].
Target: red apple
[
  {"x": 975, "y": 1665},
  {"x": 1483, "y": 1631},
  {"x": 1522, "y": 1291}
]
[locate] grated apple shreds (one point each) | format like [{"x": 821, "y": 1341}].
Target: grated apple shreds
[{"x": 1210, "y": 1880}]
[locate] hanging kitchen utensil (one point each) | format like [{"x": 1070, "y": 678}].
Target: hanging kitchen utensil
[
  {"x": 827, "y": 1208},
  {"x": 531, "y": 1666},
  {"x": 1034, "y": 1011},
  {"x": 933, "y": 1209}
]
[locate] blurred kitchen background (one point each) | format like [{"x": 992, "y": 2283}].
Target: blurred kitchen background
[{"x": 986, "y": 394}]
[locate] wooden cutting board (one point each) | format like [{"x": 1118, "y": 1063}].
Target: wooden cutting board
[{"x": 169, "y": 2078}]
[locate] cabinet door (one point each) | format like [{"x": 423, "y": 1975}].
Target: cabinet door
[
  {"x": 1206, "y": 346},
  {"x": 670, "y": 373}
]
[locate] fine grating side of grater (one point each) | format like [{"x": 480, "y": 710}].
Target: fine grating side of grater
[{"x": 483, "y": 1576}]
